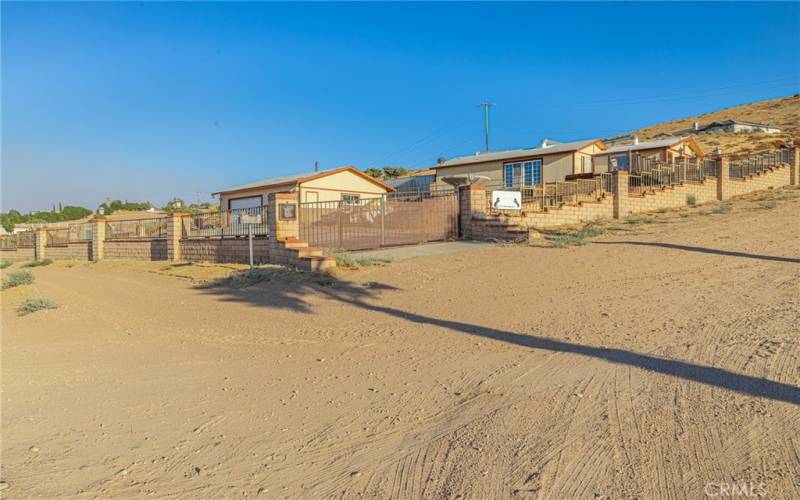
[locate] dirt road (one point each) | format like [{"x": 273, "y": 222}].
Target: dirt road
[{"x": 658, "y": 360}]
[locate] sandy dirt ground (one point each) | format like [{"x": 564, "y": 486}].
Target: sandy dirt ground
[{"x": 658, "y": 359}]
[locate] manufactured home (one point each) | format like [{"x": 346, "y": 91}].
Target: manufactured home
[
  {"x": 551, "y": 161},
  {"x": 621, "y": 156},
  {"x": 346, "y": 184}
]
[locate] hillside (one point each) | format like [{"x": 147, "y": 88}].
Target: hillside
[{"x": 783, "y": 112}]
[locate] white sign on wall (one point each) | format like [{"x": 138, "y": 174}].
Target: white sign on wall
[
  {"x": 250, "y": 219},
  {"x": 507, "y": 200}
]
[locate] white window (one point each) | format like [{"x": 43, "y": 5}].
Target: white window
[
  {"x": 350, "y": 199},
  {"x": 586, "y": 164},
  {"x": 249, "y": 202},
  {"x": 517, "y": 174}
]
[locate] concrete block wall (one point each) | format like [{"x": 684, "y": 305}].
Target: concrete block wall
[
  {"x": 672, "y": 196},
  {"x": 74, "y": 250},
  {"x": 774, "y": 178},
  {"x": 18, "y": 254},
  {"x": 570, "y": 214},
  {"x": 227, "y": 251},
  {"x": 144, "y": 249},
  {"x": 477, "y": 224}
]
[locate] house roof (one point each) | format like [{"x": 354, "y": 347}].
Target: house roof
[
  {"x": 293, "y": 180},
  {"x": 737, "y": 122},
  {"x": 662, "y": 143},
  {"x": 508, "y": 154}
]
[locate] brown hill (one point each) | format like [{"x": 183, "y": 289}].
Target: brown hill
[{"x": 783, "y": 112}]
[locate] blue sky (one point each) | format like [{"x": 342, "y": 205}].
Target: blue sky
[{"x": 145, "y": 101}]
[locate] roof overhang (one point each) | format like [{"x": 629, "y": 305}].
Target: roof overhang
[{"x": 301, "y": 180}]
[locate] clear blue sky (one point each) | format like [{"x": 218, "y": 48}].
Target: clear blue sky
[{"x": 145, "y": 101}]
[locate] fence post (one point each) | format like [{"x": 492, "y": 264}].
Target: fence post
[
  {"x": 98, "y": 238},
  {"x": 383, "y": 219},
  {"x": 794, "y": 160},
  {"x": 723, "y": 178},
  {"x": 281, "y": 228},
  {"x": 620, "y": 188},
  {"x": 472, "y": 201},
  {"x": 40, "y": 242},
  {"x": 174, "y": 234}
]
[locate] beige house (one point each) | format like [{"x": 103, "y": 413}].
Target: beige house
[
  {"x": 346, "y": 183},
  {"x": 552, "y": 161},
  {"x": 620, "y": 157}
]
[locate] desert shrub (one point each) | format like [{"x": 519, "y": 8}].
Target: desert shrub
[
  {"x": 356, "y": 262},
  {"x": 691, "y": 200},
  {"x": 17, "y": 279},
  {"x": 38, "y": 263},
  {"x": 29, "y": 306},
  {"x": 722, "y": 208},
  {"x": 640, "y": 219},
  {"x": 578, "y": 238},
  {"x": 6, "y": 263},
  {"x": 767, "y": 205}
]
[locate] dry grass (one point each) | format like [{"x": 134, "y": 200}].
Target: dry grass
[{"x": 783, "y": 112}]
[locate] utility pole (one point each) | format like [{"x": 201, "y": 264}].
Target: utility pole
[{"x": 486, "y": 106}]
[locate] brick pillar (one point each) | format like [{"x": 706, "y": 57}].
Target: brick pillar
[
  {"x": 620, "y": 188},
  {"x": 174, "y": 235},
  {"x": 98, "y": 239},
  {"x": 472, "y": 202},
  {"x": 795, "y": 166},
  {"x": 39, "y": 243},
  {"x": 723, "y": 178},
  {"x": 281, "y": 223}
]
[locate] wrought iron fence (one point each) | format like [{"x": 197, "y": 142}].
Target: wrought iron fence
[
  {"x": 741, "y": 166},
  {"x": 81, "y": 231},
  {"x": 25, "y": 239},
  {"x": 135, "y": 229},
  {"x": 57, "y": 237},
  {"x": 553, "y": 194},
  {"x": 8, "y": 241},
  {"x": 711, "y": 167},
  {"x": 237, "y": 222}
]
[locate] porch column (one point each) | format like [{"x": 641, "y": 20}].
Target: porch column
[{"x": 282, "y": 216}]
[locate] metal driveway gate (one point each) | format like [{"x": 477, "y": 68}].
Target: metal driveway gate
[{"x": 393, "y": 219}]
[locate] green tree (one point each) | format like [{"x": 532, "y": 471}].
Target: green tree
[
  {"x": 374, "y": 172},
  {"x": 109, "y": 208},
  {"x": 393, "y": 172}
]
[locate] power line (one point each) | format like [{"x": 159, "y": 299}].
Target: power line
[{"x": 680, "y": 97}]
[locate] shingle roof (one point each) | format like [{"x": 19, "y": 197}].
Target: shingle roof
[
  {"x": 663, "y": 143},
  {"x": 298, "y": 178},
  {"x": 558, "y": 147}
]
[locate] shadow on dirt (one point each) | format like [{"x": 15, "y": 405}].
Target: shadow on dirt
[
  {"x": 713, "y": 251},
  {"x": 285, "y": 289}
]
